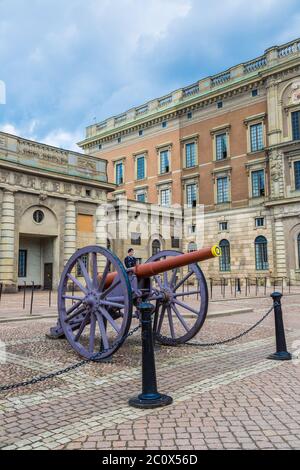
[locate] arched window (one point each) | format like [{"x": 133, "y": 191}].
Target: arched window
[
  {"x": 192, "y": 247},
  {"x": 155, "y": 247},
  {"x": 298, "y": 245},
  {"x": 261, "y": 254},
  {"x": 225, "y": 256}
]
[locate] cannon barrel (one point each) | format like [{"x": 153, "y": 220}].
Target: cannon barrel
[{"x": 158, "y": 267}]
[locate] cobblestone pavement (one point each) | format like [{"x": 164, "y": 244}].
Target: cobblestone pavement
[{"x": 227, "y": 397}]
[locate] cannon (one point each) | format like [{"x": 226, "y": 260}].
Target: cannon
[{"x": 98, "y": 298}]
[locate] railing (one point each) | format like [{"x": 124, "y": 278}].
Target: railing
[
  {"x": 254, "y": 65},
  {"x": 245, "y": 287},
  {"x": 288, "y": 49},
  {"x": 220, "y": 78},
  {"x": 271, "y": 55},
  {"x": 142, "y": 110},
  {"x": 191, "y": 90},
  {"x": 165, "y": 101},
  {"x": 120, "y": 118},
  {"x": 101, "y": 126}
]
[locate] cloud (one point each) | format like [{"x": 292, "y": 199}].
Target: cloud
[{"x": 65, "y": 63}]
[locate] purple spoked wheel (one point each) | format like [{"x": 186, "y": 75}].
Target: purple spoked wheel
[
  {"x": 94, "y": 318},
  {"x": 181, "y": 302}
]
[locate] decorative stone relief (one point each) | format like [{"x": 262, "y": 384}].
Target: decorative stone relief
[
  {"x": 295, "y": 94},
  {"x": 86, "y": 164},
  {"x": 41, "y": 152},
  {"x": 276, "y": 174}
]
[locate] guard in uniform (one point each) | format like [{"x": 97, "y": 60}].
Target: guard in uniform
[{"x": 130, "y": 261}]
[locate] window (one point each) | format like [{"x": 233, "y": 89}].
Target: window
[
  {"x": 225, "y": 256},
  {"x": 222, "y": 190},
  {"x": 141, "y": 197},
  {"x": 165, "y": 198},
  {"x": 259, "y": 222},
  {"x": 297, "y": 175},
  {"x": 254, "y": 92},
  {"x": 190, "y": 155},
  {"x": 298, "y": 246},
  {"x": 164, "y": 124},
  {"x": 136, "y": 239},
  {"x": 296, "y": 125},
  {"x": 261, "y": 254},
  {"x": 223, "y": 226},
  {"x": 220, "y": 104},
  {"x": 119, "y": 173},
  {"x": 191, "y": 229},
  {"x": 258, "y": 183},
  {"x": 164, "y": 162},
  {"x": 141, "y": 132},
  {"x": 88, "y": 193},
  {"x": 155, "y": 247},
  {"x": 221, "y": 146},
  {"x": 175, "y": 242},
  {"x": 22, "y": 266},
  {"x": 38, "y": 216},
  {"x": 192, "y": 247},
  {"x": 100, "y": 146},
  {"x": 85, "y": 260},
  {"x": 140, "y": 167},
  {"x": 191, "y": 195},
  {"x": 189, "y": 115},
  {"x": 256, "y": 137},
  {"x": 119, "y": 140}
]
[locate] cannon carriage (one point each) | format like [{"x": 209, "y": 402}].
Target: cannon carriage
[{"x": 97, "y": 314}]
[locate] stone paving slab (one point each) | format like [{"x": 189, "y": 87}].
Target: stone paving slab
[{"x": 228, "y": 397}]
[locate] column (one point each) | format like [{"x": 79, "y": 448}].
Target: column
[
  {"x": 101, "y": 233},
  {"x": 280, "y": 249},
  {"x": 70, "y": 231},
  {"x": 8, "y": 274}
]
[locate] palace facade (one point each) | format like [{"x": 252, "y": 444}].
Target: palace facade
[
  {"x": 230, "y": 142},
  {"x": 51, "y": 203}
]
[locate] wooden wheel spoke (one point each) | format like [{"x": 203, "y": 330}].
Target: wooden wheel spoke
[
  {"x": 110, "y": 319},
  {"x": 171, "y": 323},
  {"x": 173, "y": 277},
  {"x": 180, "y": 317},
  {"x": 104, "y": 276},
  {"x": 92, "y": 334},
  {"x": 161, "y": 318},
  {"x": 186, "y": 277},
  {"x": 95, "y": 270},
  {"x": 85, "y": 274},
  {"x": 115, "y": 299},
  {"x": 72, "y": 297},
  {"x": 78, "y": 283},
  {"x": 108, "y": 303},
  {"x": 116, "y": 283},
  {"x": 166, "y": 280},
  {"x": 75, "y": 314},
  {"x": 102, "y": 329},
  {"x": 158, "y": 280},
  {"x": 74, "y": 307},
  {"x": 183, "y": 294},
  {"x": 187, "y": 307},
  {"x": 82, "y": 327}
]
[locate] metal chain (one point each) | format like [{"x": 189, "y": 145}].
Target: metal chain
[
  {"x": 94, "y": 358},
  {"x": 171, "y": 342}
]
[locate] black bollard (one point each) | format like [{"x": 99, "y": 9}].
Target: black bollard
[
  {"x": 281, "y": 352},
  {"x": 150, "y": 397}
]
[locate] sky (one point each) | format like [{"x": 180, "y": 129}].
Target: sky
[{"x": 68, "y": 63}]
